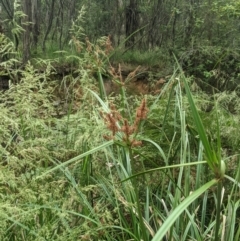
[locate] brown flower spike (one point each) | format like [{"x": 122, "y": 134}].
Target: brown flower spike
[{"x": 114, "y": 119}]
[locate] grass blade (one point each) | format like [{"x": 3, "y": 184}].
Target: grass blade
[
  {"x": 178, "y": 211},
  {"x": 106, "y": 144}
]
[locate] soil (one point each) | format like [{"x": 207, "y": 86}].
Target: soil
[{"x": 137, "y": 80}]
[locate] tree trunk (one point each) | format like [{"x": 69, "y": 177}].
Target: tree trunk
[
  {"x": 131, "y": 23},
  {"x": 61, "y": 25},
  {"x": 70, "y": 17},
  {"x": 49, "y": 25},
  {"x": 35, "y": 22},
  {"x": 27, "y": 30}
]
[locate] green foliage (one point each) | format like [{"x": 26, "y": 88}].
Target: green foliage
[
  {"x": 7, "y": 54},
  {"x": 17, "y": 29},
  {"x": 149, "y": 58},
  {"x": 213, "y": 66},
  {"x": 89, "y": 167}
]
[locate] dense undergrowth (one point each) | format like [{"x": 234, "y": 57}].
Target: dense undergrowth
[{"x": 125, "y": 167}]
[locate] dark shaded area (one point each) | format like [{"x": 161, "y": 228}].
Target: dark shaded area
[{"x": 215, "y": 69}]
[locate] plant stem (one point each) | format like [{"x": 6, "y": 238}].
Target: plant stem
[
  {"x": 139, "y": 211},
  {"x": 101, "y": 85},
  {"x": 124, "y": 104},
  {"x": 219, "y": 189}
]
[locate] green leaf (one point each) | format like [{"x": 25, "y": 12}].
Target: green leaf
[
  {"x": 180, "y": 208},
  {"x": 165, "y": 167},
  {"x": 212, "y": 160},
  {"x": 106, "y": 144}
]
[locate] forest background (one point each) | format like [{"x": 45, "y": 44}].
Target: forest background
[{"x": 161, "y": 26}]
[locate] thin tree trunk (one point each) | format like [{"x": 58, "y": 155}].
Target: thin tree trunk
[
  {"x": 35, "y": 22},
  {"x": 131, "y": 23},
  {"x": 8, "y": 9},
  {"x": 61, "y": 25},
  {"x": 49, "y": 26},
  {"x": 27, "y": 28},
  {"x": 71, "y": 17}
]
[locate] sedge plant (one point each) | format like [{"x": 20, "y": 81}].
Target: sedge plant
[{"x": 215, "y": 163}]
